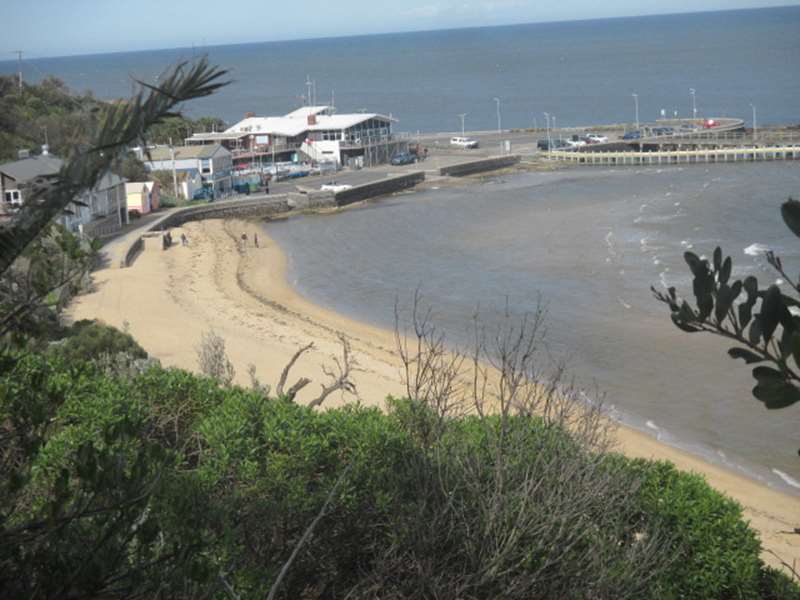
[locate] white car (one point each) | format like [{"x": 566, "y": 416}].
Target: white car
[
  {"x": 335, "y": 188},
  {"x": 464, "y": 142},
  {"x": 595, "y": 138},
  {"x": 576, "y": 143}
]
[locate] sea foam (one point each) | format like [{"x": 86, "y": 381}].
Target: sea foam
[
  {"x": 756, "y": 249},
  {"x": 788, "y": 479}
]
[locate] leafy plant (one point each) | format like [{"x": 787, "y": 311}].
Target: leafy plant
[
  {"x": 763, "y": 321},
  {"x": 89, "y": 340}
]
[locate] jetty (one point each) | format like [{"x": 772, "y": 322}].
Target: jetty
[
  {"x": 676, "y": 157},
  {"x": 727, "y": 141}
]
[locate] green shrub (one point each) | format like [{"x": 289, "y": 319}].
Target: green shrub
[
  {"x": 90, "y": 340},
  {"x": 775, "y": 585},
  {"x": 716, "y": 554},
  {"x": 193, "y": 482}
]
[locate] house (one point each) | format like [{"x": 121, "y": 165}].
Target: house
[
  {"x": 95, "y": 212},
  {"x": 312, "y": 132},
  {"x": 99, "y": 211},
  {"x": 212, "y": 163},
  {"x": 142, "y": 197},
  {"x": 17, "y": 178}
]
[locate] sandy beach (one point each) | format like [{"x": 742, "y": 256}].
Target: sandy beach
[{"x": 168, "y": 299}]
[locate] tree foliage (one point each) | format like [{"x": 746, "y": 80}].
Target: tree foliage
[
  {"x": 117, "y": 128},
  {"x": 167, "y": 484},
  {"x": 764, "y": 322}
]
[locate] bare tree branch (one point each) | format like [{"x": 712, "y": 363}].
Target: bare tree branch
[
  {"x": 288, "y": 367},
  {"x": 341, "y": 380}
]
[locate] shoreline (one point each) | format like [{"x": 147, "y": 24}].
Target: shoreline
[{"x": 264, "y": 320}]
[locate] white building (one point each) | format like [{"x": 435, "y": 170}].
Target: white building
[{"x": 312, "y": 131}]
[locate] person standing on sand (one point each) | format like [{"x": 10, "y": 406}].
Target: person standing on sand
[
  {"x": 255, "y": 240},
  {"x": 184, "y": 240},
  {"x": 244, "y": 241}
]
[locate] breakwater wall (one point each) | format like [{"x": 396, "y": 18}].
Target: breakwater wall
[
  {"x": 677, "y": 157},
  {"x": 479, "y": 166},
  {"x": 133, "y": 252},
  {"x": 260, "y": 207},
  {"x": 379, "y": 188}
]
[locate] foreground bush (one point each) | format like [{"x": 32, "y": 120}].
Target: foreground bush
[
  {"x": 91, "y": 340},
  {"x": 167, "y": 485}
]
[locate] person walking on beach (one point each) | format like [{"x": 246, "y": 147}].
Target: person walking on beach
[
  {"x": 244, "y": 241},
  {"x": 255, "y": 240},
  {"x": 184, "y": 240}
]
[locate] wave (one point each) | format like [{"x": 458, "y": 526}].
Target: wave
[
  {"x": 756, "y": 249},
  {"x": 787, "y": 479}
]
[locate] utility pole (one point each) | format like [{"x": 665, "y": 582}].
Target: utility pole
[
  {"x": 636, "y": 104},
  {"x": 19, "y": 69},
  {"x": 174, "y": 172},
  {"x": 308, "y": 85},
  {"x": 462, "y": 122},
  {"x": 755, "y": 124},
  {"x": 499, "y": 128},
  {"x": 547, "y": 125},
  {"x": 694, "y": 102}
]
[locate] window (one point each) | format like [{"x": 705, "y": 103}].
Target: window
[
  {"x": 205, "y": 166},
  {"x": 13, "y": 197}
]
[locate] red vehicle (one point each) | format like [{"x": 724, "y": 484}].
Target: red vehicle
[{"x": 709, "y": 123}]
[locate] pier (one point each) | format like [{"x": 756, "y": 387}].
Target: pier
[{"x": 676, "y": 157}]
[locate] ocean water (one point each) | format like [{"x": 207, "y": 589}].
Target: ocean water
[
  {"x": 580, "y": 72},
  {"x": 588, "y": 243}
]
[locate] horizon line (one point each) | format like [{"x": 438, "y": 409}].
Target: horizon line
[{"x": 193, "y": 47}]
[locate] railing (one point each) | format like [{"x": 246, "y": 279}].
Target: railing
[{"x": 267, "y": 151}]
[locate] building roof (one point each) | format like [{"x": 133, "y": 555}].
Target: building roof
[
  {"x": 184, "y": 152},
  {"x": 305, "y": 111},
  {"x": 217, "y": 136},
  {"x": 281, "y": 126},
  {"x": 27, "y": 169},
  {"x": 135, "y": 188},
  {"x": 108, "y": 181}
]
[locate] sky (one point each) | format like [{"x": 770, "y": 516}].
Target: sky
[{"x": 42, "y": 28}]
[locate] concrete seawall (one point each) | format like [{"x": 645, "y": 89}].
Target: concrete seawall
[
  {"x": 261, "y": 207},
  {"x": 379, "y": 188},
  {"x": 479, "y": 166}
]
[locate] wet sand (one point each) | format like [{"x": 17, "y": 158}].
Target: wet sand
[{"x": 167, "y": 299}]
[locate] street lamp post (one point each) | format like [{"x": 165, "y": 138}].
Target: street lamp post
[
  {"x": 636, "y": 105},
  {"x": 692, "y": 93},
  {"x": 755, "y": 123},
  {"x": 547, "y": 125},
  {"x": 499, "y": 128},
  {"x": 555, "y": 127},
  {"x": 462, "y": 116}
]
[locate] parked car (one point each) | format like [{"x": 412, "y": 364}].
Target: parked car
[
  {"x": 203, "y": 193},
  {"x": 553, "y": 144},
  {"x": 576, "y": 142},
  {"x": 464, "y": 142},
  {"x": 632, "y": 135},
  {"x": 595, "y": 138},
  {"x": 657, "y": 131},
  {"x": 403, "y": 158}
]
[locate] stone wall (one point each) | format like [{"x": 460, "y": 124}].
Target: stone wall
[
  {"x": 379, "y": 188},
  {"x": 228, "y": 209},
  {"x": 133, "y": 252},
  {"x": 479, "y": 166}
]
